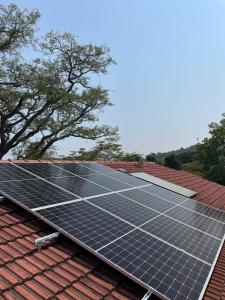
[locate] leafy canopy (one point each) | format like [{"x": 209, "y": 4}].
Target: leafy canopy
[
  {"x": 52, "y": 96},
  {"x": 211, "y": 152}
]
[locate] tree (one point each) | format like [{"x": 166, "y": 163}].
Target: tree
[
  {"x": 151, "y": 157},
  {"x": 216, "y": 173},
  {"x": 134, "y": 156},
  {"x": 104, "y": 150},
  {"x": 211, "y": 152},
  {"x": 52, "y": 96},
  {"x": 28, "y": 151},
  {"x": 172, "y": 162}
]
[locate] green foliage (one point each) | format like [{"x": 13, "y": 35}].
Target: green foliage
[
  {"x": 172, "y": 162},
  {"x": 51, "y": 97},
  {"x": 162, "y": 155},
  {"x": 216, "y": 173},
  {"x": 108, "y": 149},
  {"x": 29, "y": 151},
  {"x": 151, "y": 157},
  {"x": 185, "y": 157},
  {"x": 134, "y": 156},
  {"x": 193, "y": 167},
  {"x": 211, "y": 152}
]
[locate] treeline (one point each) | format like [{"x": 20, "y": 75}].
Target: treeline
[{"x": 206, "y": 158}]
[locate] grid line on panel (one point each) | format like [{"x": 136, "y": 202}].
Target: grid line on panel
[
  {"x": 100, "y": 180},
  {"x": 35, "y": 192},
  {"x": 170, "y": 272},
  {"x": 142, "y": 229},
  {"x": 129, "y": 178},
  {"x": 84, "y": 198},
  {"x": 205, "y": 210},
  {"x": 87, "y": 223},
  {"x": 78, "y": 186},
  {"x": 43, "y": 170},
  {"x": 9, "y": 172},
  {"x": 43, "y": 179},
  {"x": 148, "y": 200},
  {"x": 163, "y": 213},
  {"x": 201, "y": 222},
  {"x": 165, "y": 194},
  {"x": 192, "y": 241},
  {"x": 76, "y": 175},
  {"x": 125, "y": 208}
]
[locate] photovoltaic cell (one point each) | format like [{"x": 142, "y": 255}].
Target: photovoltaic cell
[
  {"x": 34, "y": 193},
  {"x": 198, "y": 221},
  {"x": 129, "y": 179},
  {"x": 125, "y": 209},
  {"x": 191, "y": 240},
  {"x": 43, "y": 170},
  {"x": 148, "y": 200},
  {"x": 74, "y": 168},
  {"x": 166, "y": 194},
  {"x": 98, "y": 167},
  {"x": 105, "y": 181},
  {"x": 205, "y": 210},
  {"x": 78, "y": 186},
  {"x": 10, "y": 172},
  {"x": 168, "y": 270},
  {"x": 86, "y": 223}
]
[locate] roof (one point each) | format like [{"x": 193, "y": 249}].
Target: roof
[
  {"x": 208, "y": 192},
  {"x": 63, "y": 270}
]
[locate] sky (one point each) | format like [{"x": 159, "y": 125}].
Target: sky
[{"x": 169, "y": 81}]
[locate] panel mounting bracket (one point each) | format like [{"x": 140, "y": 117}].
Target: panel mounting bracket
[
  {"x": 148, "y": 294},
  {"x": 40, "y": 241},
  {"x": 1, "y": 198}
]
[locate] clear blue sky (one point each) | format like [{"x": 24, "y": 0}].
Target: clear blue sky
[{"x": 169, "y": 81}]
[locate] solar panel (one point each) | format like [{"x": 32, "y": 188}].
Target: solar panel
[
  {"x": 107, "y": 182},
  {"x": 168, "y": 195},
  {"x": 78, "y": 186},
  {"x": 148, "y": 200},
  {"x": 159, "y": 238},
  {"x": 86, "y": 223},
  {"x": 43, "y": 170},
  {"x": 74, "y": 168},
  {"x": 205, "y": 210},
  {"x": 34, "y": 193},
  {"x": 198, "y": 221},
  {"x": 180, "y": 235},
  {"x": 129, "y": 179},
  {"x": 97, "y": 167},
  {"x": 125, "y": 208},
  {"x": 9, "y": 172},
  {"x": 169, "y": 271}
]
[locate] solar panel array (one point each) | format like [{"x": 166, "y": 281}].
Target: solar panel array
[{"x": 158, "y": 238}]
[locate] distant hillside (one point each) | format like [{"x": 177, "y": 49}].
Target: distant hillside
[{"x": 162, "y": 155}]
